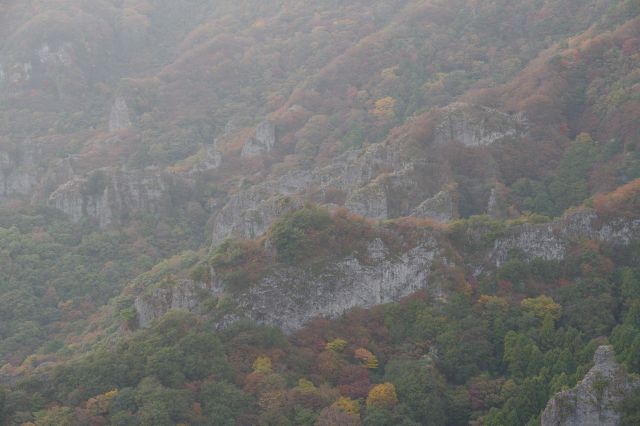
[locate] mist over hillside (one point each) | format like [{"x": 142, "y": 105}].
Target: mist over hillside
[{"x": 329, "y": 212}]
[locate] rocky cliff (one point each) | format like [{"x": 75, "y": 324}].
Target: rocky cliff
[
  {"x": 550, "y": 241},
  {"x": 473, "y": 125},
  {"x": 110, "y": 195},
  {"x": 595, "y": 401},
  {"x": 263, "y": 141},
  {"x": 27, "y": 170},
  {"x": 119, "y": 116},
  {"x": 377, "y": 182},
  {"x": 290, "y": 296},
  {"x": 18, "y": 173}
]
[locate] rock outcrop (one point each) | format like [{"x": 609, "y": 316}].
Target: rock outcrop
[
  {"x": 551, "y": 241},
  {"x": 497, "y": 207},
  {"x": 441, "y": 207},
  {"x": 375, "y": 181},
  {"x": 185, "y": 294},
  {"x": 17, "y": 172},
  {"x": 110, "y": 195},
  {"x": 595, "y": 401},
  {"x": 263, "y": 141},
  {"x": 27, "y": 168},
  {"x": 248, "y": 213},
  {"x": 289, "y": 297},
  {"x": 119, "y": 117},
  {"x": 475, "y": 126}
]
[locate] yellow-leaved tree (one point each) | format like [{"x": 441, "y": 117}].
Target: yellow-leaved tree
[
  {"x": 382, "y": 396},
  {"x": 384, "y": 108},
  {"x": 262, "y": 364},
  {"x": 336, "y": 345},
  {"x": 347, "y": 405},
  {"x": 542, "y": 306}
]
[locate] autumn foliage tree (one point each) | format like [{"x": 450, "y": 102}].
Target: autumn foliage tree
[{"x": 382, "y": 396}]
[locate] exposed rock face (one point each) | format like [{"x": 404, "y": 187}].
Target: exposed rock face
[
  {"x": 51, "y": 65},
  {"x": 59, "y": 171},
  {"x": 185, "y": 295},
  {"x": 374, "y": 181},
  {"x": 250, "y": 212},
  {"x": 119, "y": 117},
  {"x": 17, "y": 173},
  {"x": 497, "y": 206},
  {"x": 210, "y": 161},
  {"x": 26, "y": 169},
  {"x": 441, "y": 207},
  {"x": 110, "y": 195},
  {"x": 107, "y": 195},
  {"x": 475, "y": 126},
  {"x": 290, "y": 297},
  {"x": 550, "y": 241},
  {"x": 53, "y": 57},
  {"x": 369, "y": 201},
  {"x": 595, "y": 400},
  {"x": 29, "y": 171},
  {"x": 263, "y": 141}
]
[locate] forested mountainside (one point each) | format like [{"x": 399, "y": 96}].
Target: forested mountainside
[{"x": 330, "y": 212}]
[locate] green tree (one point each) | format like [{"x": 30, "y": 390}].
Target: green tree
[
  {"x": 419, "y": 389},
  {"x": 223, "y": 403}
]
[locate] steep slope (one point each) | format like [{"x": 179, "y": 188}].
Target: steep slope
[
  {"x": 596, "y": 400},
  {"x": 271, "y": 282},
  {"x": 281, "y": 162},
  {"x": 357, "y": 84},
  {"x": 496, "y": 340}
]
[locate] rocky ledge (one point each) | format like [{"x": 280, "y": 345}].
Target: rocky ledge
[
  {"x": 595, "y": 401},
  {"x": 288, "y": 297},
  {"x": 110, "y": 195},
  {"x": 375, "y": 181}
]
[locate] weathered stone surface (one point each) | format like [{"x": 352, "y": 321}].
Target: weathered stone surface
[
  {"x": 110, "y": 195},
  {"x": 375, "y": 181},
  {"x": 20, "y": 169},
  {"x": 369, "y": 201},
  {"x": 290, "y": 297},
  {"x": 595, "y": 401},
  {"x": 250, "y": 212},
  {"x": 375, "y": 184},
  {"x": 263, "y": 141},
  {"x": 186, "y": 295},
  {"x": 475, "y": 126},
  {"x": 119, "y": 117},
  {"x": 207, "y": 159},
  {"x": 550, "y": 241},
  {"x": 497, "y": 207},
  {"x": 17, "y": 177},
  {"x": 441, "y": 207}
]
